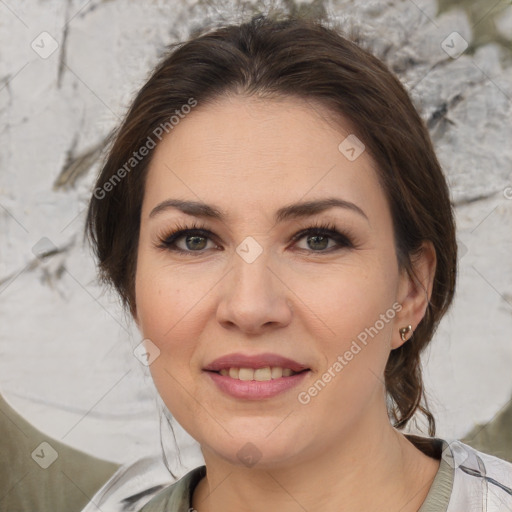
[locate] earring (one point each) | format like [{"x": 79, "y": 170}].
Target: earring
[{"x": 404, "y": 331}]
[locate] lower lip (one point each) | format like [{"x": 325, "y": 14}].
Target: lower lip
[{"x": 253, "y": 389}]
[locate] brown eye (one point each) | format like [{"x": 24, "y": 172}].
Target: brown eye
[
  {"x": 195, "y": 242},
  {"x": 318, "y": 238},
  {"x": 318, "y": 242},
  {"x": 187, "y": 240}
]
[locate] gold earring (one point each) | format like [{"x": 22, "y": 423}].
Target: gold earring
[{"x": 404, "y": 331}]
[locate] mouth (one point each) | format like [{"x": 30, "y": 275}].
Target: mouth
[
  {"x": 255, "y": 384},
  {"x": 264, "y": 374},
  {"x": 255, "y": 377},
  {"x": 244, "y": 363}
]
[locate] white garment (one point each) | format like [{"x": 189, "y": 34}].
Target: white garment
[
  {"x": 131, "y": 486},
  {"x": 481, "y": 483}
]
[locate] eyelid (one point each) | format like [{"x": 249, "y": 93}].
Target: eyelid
[
  {"x": 342, "y": 238},
  {"x": 168, "y": 236},
  {"x": 323, "y": 227}
]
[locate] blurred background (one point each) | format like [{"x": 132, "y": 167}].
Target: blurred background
[{"x": 68, "y": 70}]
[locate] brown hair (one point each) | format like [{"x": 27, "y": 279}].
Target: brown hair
[{"x": 301, "y": 58}]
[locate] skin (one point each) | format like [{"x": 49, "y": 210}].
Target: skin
[{"x": 250, "y": 157}]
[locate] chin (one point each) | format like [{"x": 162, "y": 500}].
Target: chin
[{"x": 265, "y": 449}]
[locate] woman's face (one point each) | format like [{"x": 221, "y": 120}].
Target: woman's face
[{"x": 248, "y": 287}]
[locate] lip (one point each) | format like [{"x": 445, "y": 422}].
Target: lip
[
  {"x": 253, "y": 389},
  {"x": 238, "y": 360}
]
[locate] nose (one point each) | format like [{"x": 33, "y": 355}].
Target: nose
[{"x": 254, "y": 298}]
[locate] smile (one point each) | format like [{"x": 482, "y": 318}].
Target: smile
[
  {"x": 259, "y": 374},
  {"x": 242, "y": 387},
  {"x": 255, "y": 376}
]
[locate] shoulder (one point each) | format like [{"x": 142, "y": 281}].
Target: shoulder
[
  {"x": 146, "y": 485},
  {"x": 178, "y": 496},
  {"x": 131, "y": 486},
  {"x": 480, "y": 481}
]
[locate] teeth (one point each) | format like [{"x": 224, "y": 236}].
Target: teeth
[
  {"x": 246, "y": 374},
  {"x": 277, "y": 372},
  {"x": 260, "y": 374}
]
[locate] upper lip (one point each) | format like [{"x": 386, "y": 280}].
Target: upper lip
[{"x": 253, "y": 361}]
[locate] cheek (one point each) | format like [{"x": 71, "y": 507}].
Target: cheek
[
  {"x": 347, "y": 298},
  {"x": 170, "y": 315},
  {"x": 357, "y": 309},
  {"x": 167, "y": 298},
  {"x": 361, "y": 304}
]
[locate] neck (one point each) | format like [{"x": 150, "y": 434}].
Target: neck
[{"x": 372, "y": 469}]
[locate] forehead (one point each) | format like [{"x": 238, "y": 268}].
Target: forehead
[{"x": 255, "y": 152}]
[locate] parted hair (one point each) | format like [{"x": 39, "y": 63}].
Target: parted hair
[{"x": 286, "y": 56}]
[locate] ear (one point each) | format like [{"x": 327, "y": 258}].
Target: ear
[{"x": 414, "y": 291}]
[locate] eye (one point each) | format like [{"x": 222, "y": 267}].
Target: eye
[
  {"x": 187, "y": 239},
  {"x": 318, "y": 238},
  {"x": 195, "y": 239}
]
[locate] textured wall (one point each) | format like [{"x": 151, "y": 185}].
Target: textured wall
[{"x": 67, "y": 73}]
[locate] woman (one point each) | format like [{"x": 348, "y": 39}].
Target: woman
[{"x": 273, "y": 215}]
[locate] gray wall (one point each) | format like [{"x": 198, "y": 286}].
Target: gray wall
[{"x": 66, "y": 359}]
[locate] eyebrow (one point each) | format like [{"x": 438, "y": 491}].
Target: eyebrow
[{"x": 292, "y": 211}]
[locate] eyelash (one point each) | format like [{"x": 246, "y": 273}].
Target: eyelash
[{"x": 168, "y": 240}]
